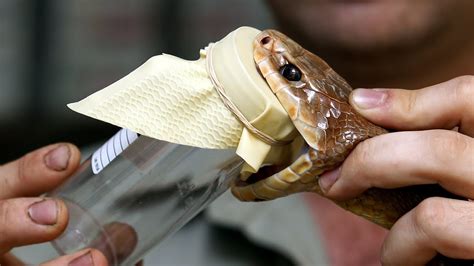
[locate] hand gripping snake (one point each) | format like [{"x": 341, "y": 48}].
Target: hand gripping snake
[{"x": 316, "y": 100}]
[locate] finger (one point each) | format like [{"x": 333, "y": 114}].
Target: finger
[
  {"x": 405, "y": 158},
  {"x": 38, "y": 171},
  {"x": 10, "y": 260},
  {"x": 26, "y": 221},
  {"x": 90, "y": 257},
  {"x": 436, "y": 225},
  {"x": 117, "y": 242},
  {"x": 445, "y": 105}
]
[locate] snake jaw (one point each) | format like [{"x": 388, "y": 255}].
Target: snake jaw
[{"x": 271, "y": 182}]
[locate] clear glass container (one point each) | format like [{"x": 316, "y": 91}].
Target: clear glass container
[{"x": 149, "y": 191}]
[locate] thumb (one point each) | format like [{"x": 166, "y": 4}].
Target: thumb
[{"x": 443, "y": 106}]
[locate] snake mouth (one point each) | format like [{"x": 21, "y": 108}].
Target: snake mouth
[
  {"x": 263, "y": 173},
  {"x": 271, "y": 180},
  {"x": 268, "y": 170}
]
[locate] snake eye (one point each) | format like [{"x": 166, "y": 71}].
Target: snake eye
[{"x": 290, "y": 72}]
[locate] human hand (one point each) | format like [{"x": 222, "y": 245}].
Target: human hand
[
  {"x": 430, "y": 153},
  {"x": 27, "y": 219}
]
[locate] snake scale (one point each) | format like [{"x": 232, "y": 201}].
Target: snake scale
[{"x": 316, "y": 100}]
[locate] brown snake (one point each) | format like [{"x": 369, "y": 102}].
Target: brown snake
[{"x": 316, "y": 100}]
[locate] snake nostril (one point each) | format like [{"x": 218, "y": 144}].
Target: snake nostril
[{"x": 265, "y": 40}]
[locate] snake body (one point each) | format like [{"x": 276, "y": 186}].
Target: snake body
[{"x": 316, "y": 100}]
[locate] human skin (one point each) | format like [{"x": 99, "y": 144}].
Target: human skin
[
  {"x": 428, "y": 152},
  {"x": 26, "y": 218},
  {"x": 399, "y": 44}
]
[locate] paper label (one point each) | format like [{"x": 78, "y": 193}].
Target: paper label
[{"x": 111, "y": 149}]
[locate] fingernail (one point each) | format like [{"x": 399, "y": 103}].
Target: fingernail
[
  {"x": 44, "y": 212},
  {"x": 58, "y": 158},
  {"x": 328, "y": 179},
  {"x": 84, "y": 260},
  {"x": 369, "y": 98}
]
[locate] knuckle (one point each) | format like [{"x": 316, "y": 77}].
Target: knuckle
[
  {"x": 6, "y": 185},
  {"x": 365, "y": 150},
  {"x": 464, "y": 83},
  {"x": 447, "y": 146},
  {"x": 411, "y": 106},
  {"x": 463, "y": 91},
  {"x": 362, "y": 154},
  {"x": 430, "y": 216},
  {"x": 27, "y": 166},
  {"x": 404, "y": 105},
  {"x": 361, "y": 159},
  {"x": 5, "y": 214},
  {"x": 22, "y": 165}
]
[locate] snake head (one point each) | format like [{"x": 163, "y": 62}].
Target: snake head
[
  {"x": 308, "y": 89},
  {"x": 316, "y": 100}
]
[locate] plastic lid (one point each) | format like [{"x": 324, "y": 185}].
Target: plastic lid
[
  {"x": 234, "y": 67},
  {"x": 233, "y": 63}
]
